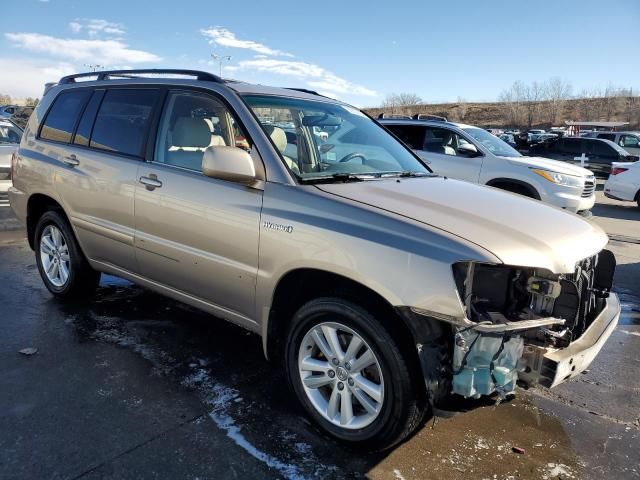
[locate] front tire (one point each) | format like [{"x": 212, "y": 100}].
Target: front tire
[
  {"x": 62, "y": 265},
  {"x": 350, "y": 376}
]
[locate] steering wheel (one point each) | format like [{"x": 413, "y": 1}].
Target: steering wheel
[{"x": 353, "y": 155}]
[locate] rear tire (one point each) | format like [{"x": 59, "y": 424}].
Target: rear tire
[
  {"x": 378, "y": 416},
  {"x": 63, "y": 267}
]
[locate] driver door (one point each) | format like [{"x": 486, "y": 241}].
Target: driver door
[{"x": 195, "y": 234}]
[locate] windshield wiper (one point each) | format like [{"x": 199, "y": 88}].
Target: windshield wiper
[
  {"x": 339, "y": 177},
  {"x": 407, "y": 173}
]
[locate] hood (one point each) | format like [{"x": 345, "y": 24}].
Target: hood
[
  {"x": 548, "y": 164},
  {"x": 518, "y": 230}
]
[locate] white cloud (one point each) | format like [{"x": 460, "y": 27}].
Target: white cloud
[
  {"x": 27, "y": 78},
  {"x": 97, "y": 26},
  {"x": 316, "y": 76},
  {"x": 222, "y": 36},
  {"x": 104, "y": 52}
]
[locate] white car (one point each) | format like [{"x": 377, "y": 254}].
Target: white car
[
  {"x": 10, "y": 135},
  {"x": 473, "y": 154},
  {"x": 624, "y": 182}
]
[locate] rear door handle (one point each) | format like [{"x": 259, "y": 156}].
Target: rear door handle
[
  {"x": 71, "y": 160},
  {"x": 151, "y": 182}
]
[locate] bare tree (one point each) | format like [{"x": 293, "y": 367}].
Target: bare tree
[
  {"x": 4, "y": 99},
  {"x": 556, "y": 93},
  {"x": 461, "y": 109},
  {"x": 512, "y": 98},
  {"x": 533, "y": 94}
]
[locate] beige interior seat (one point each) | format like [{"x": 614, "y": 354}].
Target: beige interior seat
[
  {"x": 279, "y": 139},
  {"x": 190, "y": 138}
]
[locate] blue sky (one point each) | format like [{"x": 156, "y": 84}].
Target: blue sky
[{"x": 358, "y": 51}]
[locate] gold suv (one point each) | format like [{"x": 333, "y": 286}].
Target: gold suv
[{"x": 381, "y": 287}]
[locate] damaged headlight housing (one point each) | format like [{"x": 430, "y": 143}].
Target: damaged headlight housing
[{"x": 560, "y": 178}]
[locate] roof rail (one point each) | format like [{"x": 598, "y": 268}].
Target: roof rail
[
  {"x": 107, "y": 74},
  {"x": 304, "y": 90},
  {"x": 396, "y": 116},
  {"x": 425, "y": 116}
]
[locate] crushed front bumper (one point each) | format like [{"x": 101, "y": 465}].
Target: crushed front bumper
[{"x": 550, "y": 367}]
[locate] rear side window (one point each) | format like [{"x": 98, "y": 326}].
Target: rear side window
[
  {"x": 570, "y": 145},
  {"x": 412, "y": 135},
  {"x": 608, "y": 136},
  {"x": 63, "y": 115},
  {"x": 83, "y": 132},
  {"x": 123, "y": 121}
]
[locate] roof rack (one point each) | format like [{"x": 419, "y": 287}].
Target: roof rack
[
  {"x": 108, "y": 74},
  {"x": 304, "y": 90},
  {"x": 396, "y": 116},
  {"x": 425, "y": 116}
]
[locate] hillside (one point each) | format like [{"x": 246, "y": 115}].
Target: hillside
[{"x": 499, "y": 114}]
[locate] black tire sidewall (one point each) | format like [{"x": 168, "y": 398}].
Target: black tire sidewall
[{"x": 388, "y": 427}]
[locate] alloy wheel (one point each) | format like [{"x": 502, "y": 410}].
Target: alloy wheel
[
  {"x": 341, "y": 375},
  {"x": 54, "y": 254}
]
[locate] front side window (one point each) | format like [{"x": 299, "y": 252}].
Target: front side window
[
  {"x": 629, "y": 141},
  {"x": 444, "y": 141},
  {"x": 492, "y": 143},
  {"x": 191, "y": 123},
  {"x": 9, "y": 133},
  {"x": 123, "y": 121},
  {"x": 601, "y": 149},
  {"x": 321, "y": 141},
  {"x": 63, "y": 115}
]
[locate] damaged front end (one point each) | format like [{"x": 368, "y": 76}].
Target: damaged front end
[{"x": 529, "y": 325}]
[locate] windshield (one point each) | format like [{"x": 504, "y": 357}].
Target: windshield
[
  {"x": 322, "y": 140},
  {"x": 9, "y": 133},
  {"x": 492, "y": 143}
]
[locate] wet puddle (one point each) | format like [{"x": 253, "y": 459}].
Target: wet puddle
[
  {"x": 630, "y": 303},
  {"x": 248, "y": 399}
]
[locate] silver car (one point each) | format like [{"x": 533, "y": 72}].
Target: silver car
[
  {"x": 382, "y": 288},
  {"x": 10, "y": 136}
]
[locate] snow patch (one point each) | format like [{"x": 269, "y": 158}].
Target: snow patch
[
  {"x": 398, "y": 475},
  {"x": 557, "y": 470},
  {"x": 220, "y": 399}
]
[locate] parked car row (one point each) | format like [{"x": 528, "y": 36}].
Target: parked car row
[
  {"x": 380, "y": 287},
  {"x": 475, "y": 155}
]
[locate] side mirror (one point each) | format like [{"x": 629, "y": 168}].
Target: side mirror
[
  {"x": 468, "y": 150},
  {"x": 228, "y": 163}
]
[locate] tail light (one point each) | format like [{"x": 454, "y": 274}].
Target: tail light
[
  {"x": 14, "y": 161},
  {"x": 617, "y": 170}
]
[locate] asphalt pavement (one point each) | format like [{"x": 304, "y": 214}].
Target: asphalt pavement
[{"x": 133, "y": 385}]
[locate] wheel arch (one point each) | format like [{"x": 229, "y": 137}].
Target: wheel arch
[
  {"x": 299, "y": 286},
  {"x": 37, "y": 205},
  {"x": 502, "y": 182}
]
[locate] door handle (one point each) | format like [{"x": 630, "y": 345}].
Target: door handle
[
  {"x": 151, "y": 182},
  {"x": 71, "y": 160}
]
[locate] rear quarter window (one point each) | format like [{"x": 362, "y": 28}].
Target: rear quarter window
[
  {"x": 123, "y": 120},
  {"x": 63, "y": 115}
]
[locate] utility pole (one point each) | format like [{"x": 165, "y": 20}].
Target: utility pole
[
  {"x": 220, "y": 59},
  {"x": 94, "y": 67}
]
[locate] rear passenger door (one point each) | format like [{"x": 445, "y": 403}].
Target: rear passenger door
[
  {"x": 99, "y": 163},
  {"x": 195, "y": 234}
]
